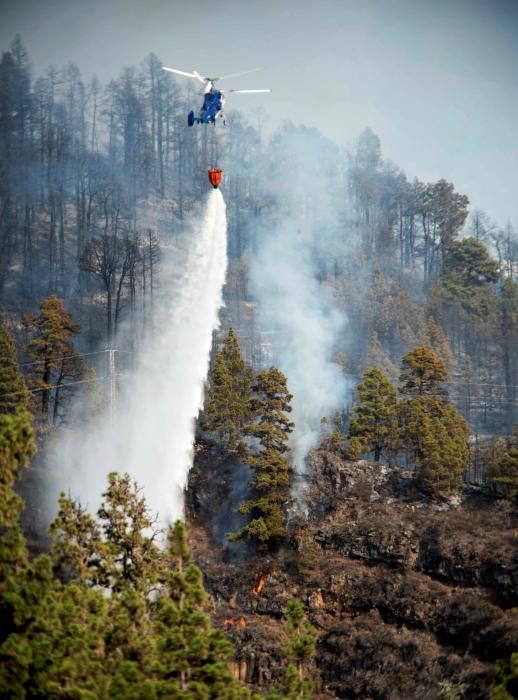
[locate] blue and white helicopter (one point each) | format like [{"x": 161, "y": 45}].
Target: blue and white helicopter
[{"x": 213, "y": 100}]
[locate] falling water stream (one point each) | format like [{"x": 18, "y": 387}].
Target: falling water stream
[{"x": 151, "y": 432}]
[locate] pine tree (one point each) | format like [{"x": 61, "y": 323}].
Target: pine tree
[
  {"x": 61, "y": 651},
  {"x": 299, "y": 649},
  {"x": 444, "y": 452},
  {"x": 16, "y": 447},
  {"x": 272, "y": 471},
  {"x": 505, "y": 472},
  {"x": 130, "y": 647},
  {"x": 192, "y": 656},
  {"x": 137, "y": 630},
  {"x": 13, "y": 390},
  {"x": 301, "y": 636},
  {"x": 377, "y": 357},
  {"x": 227, "y": 406},
  {"x": 422, "y": 372},
  {"x": 132, "y": 557},
  {"x": 78, "y": 547},
  {"x": 374, "y": 426},
  {"x": 507, "y": 679},
  {"x": 467, "y": 273},
  {"x": 436, "y": 340},
  {"x": 118, "y": 550},
  {"x": 432, "y": 428},
  {"x": 52, "y": 350}
]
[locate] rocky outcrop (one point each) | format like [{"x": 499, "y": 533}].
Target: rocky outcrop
[{"x": 411, "y": 599}]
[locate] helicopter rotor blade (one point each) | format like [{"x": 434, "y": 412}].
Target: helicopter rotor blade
[
  {"x": 194, "y": 74},
  {"x": 179, "y": 72},
  {"x": 243, "y": 91},
  {"x": 235, "y": 75},
  {"x": 204, "y": 81}
]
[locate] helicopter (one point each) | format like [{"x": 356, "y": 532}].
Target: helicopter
[{"x": 213, "y": 99}]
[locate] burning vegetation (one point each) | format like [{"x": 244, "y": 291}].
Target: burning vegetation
[{"x": 256, "y": 590}]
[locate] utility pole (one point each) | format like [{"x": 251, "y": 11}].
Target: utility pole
[{"x": 112, "y": 377}]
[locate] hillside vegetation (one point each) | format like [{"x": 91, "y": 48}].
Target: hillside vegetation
[{"x": 380, "y": 564}]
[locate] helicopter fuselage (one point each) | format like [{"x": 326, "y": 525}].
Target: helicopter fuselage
[{"x": 211, "y": 110}]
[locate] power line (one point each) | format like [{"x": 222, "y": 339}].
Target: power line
[
  {"x": 78, "y": 354},
  {"x": 127, "y": 352},
  {"x": 53, "y": 386},
  {"x": 452, "y": 383},
  {"x": 66, "y": 357},
  {"x": 507, "y": 386}
]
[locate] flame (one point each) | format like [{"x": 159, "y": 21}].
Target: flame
[
  {"x": 230, "y": 622},
  {"x": 257, "y": 590}
]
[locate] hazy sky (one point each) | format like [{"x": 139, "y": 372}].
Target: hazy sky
[{"x": 437, "y": 80}]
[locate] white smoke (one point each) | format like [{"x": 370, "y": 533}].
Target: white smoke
[
  {"x": 303, "y": 238},
  {"x": 151, "y": 432}
]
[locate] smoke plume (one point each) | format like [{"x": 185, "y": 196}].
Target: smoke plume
[{"x": 287, "y": 278}]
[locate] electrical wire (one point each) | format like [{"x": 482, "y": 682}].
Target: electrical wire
[
  {"x": 78, "y": 354},
  {"x": 66, "y": 357},
  {"x": 53, "y": 386}
]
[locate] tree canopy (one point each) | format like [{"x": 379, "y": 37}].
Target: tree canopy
[
  {"x": 374, "y": 422},
  {"x": 270, "y": 483},
  {"x": 228, "y": 398}
]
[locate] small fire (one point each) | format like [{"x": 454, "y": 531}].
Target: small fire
[
  {"x": 257, "y": 590},
  {"x": 230, "y": 622}
]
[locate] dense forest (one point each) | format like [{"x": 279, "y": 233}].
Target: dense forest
[
  {"x": 95, "y": 180},
  {"x": 96, "y": 185}
]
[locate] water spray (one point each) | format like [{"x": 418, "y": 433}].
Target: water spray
[{"x": 151, "y": 433}]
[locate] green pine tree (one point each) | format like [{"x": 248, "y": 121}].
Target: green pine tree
[
  {"x": 299, "y": 650},
  {"x": 132, "y": 557},
  {"x": 136, "y": 629},
  {"x": 507, "y": 687},
  {"x": 467, "y": 273},
  {"x": 504, "y": 473},
  {"x": 118, "y": 550},
  {"x": 13, "y": 390},
  {"x": 193, "y": 657},
  {"x": 78, "y": 547},
  {"x": 444, "y": 452},
  {"x": 374, "y": 425},
  {"x": 436, "y": 340},
  {"x": 302, "y": 637},
  {"x": 16, "y": 447},
  {"x": 227, "y": 404},
  {"x": 63, "y": 644},
  {"x": 434, "y": 431},
  {"x": 422, "y": 372},
  {"x": 52, "y": 350},
  {"x": 270, "y": 484}
]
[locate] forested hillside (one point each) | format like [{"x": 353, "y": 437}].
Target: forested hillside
[
  {"x": 95, "y": 178},
  {"x": 355, "y": 452}
]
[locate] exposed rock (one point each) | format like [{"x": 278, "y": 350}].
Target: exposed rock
[{"x": 404, "y": 594}]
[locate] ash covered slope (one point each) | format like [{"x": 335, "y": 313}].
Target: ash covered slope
[{"x": 405, "y": 595}]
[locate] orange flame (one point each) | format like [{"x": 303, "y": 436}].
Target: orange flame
[
  {"x": 257, "y": 590},
  {"x": 242, "y": 622},
  {"x": 228, "y": 622}
]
